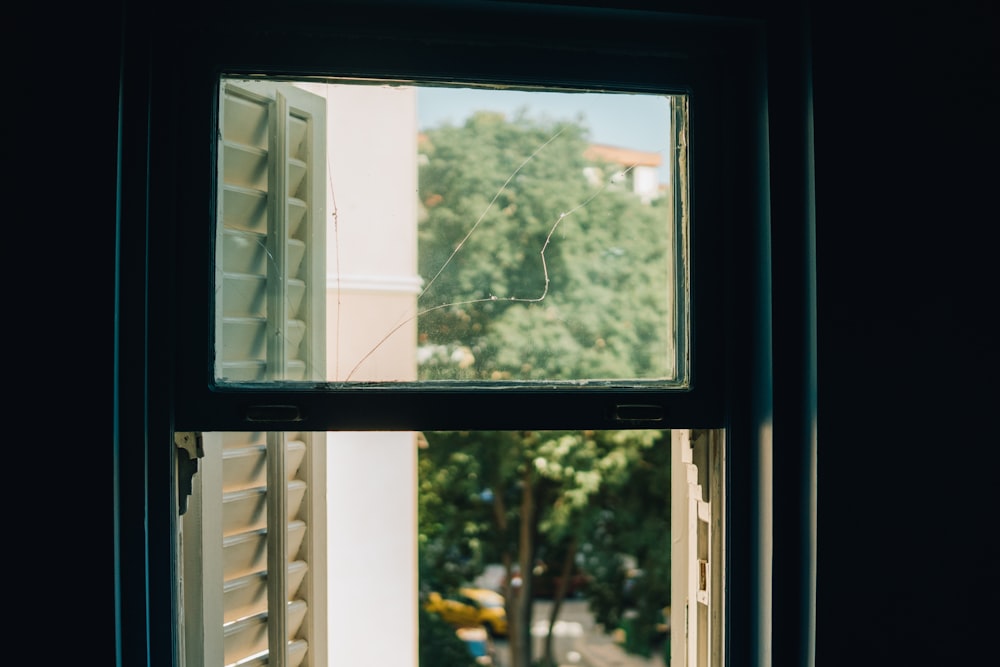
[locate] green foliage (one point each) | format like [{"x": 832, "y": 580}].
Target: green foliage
[
  {"x": 608, "y": 491},
  {"x": 531, "y": 271},
  {"x": 632, "y": 519},
  {"x": 637, "y": 639},
  {"x": 459, "y": 474},
  {"x": 439, "y": 645}
]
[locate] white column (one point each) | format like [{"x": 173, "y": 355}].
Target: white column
[{"x": 372, "y": 286}]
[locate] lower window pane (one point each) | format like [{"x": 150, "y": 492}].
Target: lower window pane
[
  {"x": 526, "y": 534},
  {"x": 421, "y": 548}
]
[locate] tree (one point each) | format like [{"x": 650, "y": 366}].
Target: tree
[
  {"x": 502, "y": 496},
  {"x": 439, "y": 645},
  {"x": 532, "y": 272},
  {"x": 629, "y": 549}
]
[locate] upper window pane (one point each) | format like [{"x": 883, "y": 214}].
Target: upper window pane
[{"x": 393, "y": 232}]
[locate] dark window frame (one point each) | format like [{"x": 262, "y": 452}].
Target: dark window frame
[
  {"x": 601, "y": 50},
  {"x": 770, "y": 78}
]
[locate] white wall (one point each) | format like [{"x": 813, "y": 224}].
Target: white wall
[
  {"x": 372, "y": 277},
  {"x": 372, "y": 285},
  {"x": 372, "y": 545}
]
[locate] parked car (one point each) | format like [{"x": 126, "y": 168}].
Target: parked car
[
  {"x": 478, "y": 641},
  {"x": 471, "y": 607}
]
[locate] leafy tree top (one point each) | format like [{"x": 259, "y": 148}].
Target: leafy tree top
[{"x": 532, "y": 271}]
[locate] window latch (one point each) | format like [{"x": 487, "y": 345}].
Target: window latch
[{"x": 189, "y": 450}]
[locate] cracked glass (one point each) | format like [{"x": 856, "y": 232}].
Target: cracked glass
[{"x": 390, "y": 232}]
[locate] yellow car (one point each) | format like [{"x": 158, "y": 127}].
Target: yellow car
[{"x": 471, "y": 607}]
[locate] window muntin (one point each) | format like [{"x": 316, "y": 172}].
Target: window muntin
[{"x": 515, "y": 246}]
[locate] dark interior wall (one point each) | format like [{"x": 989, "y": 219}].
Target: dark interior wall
[{"x": 906, "y": 181}]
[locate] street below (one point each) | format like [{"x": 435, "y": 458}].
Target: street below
[{"x": 577, "y": 640}]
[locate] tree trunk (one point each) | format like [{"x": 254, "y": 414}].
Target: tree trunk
[
  {"x": 509, "y": 589},
  {"x": 520, "y": 647},
  {"x": 557, "y": 598}
]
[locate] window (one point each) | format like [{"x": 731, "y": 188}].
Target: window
[
  {"x": 615, "y": 276},
  {"x": 525, "y": 232},
  {"x": 206, "y": 394},
  {"x": 691, "y": 381}
]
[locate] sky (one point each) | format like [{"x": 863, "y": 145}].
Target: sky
[{"x": 639, "y": 122}]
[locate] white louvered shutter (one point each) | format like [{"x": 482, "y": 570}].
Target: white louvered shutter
[
  {"x": 270, "y": 261},
  {"x": 246, "y": 544}
]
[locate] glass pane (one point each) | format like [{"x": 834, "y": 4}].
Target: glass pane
[
  {"x": 565, "y": 533},
  {"x": 377, "y": 232},
  {"x": 439, "y": 540}
]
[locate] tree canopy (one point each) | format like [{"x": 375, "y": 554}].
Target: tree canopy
[{"x": 534, "y": 271}]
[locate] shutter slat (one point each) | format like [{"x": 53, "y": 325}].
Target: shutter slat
[
  {"x": 244, "y": 638},
  {"x": 297, "y": 652},
  {"x": 238, "y": 439},
  {"x": 296, "y": 455},
  {"x": 244, "y": 251},
  {"x": 244, "y": 467},
  {"x": 244, "y": 208},
  {"x": 296, "y": 611},
  {"x": 244, "y": 118},
  {"x": 296, "y": 492},
  {"x": 246, "y": 166},
  {"x": 298, "y": 130},
  {"x": 244, "y": 511},
  {"x": 244, "y": 339},
  {"x": 297, "y": 210},
  {"x": 245, "y": 553},
  {"x": 248, "y": 636},
  {"x": 296, "y": 173},
  {"x": 244, "y": 295},
  {"x": 246, "y": 596},
  {"x": 244, "y": 371}
]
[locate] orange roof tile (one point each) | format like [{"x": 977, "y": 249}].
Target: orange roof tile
[{"x": 623, "y": 156}]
